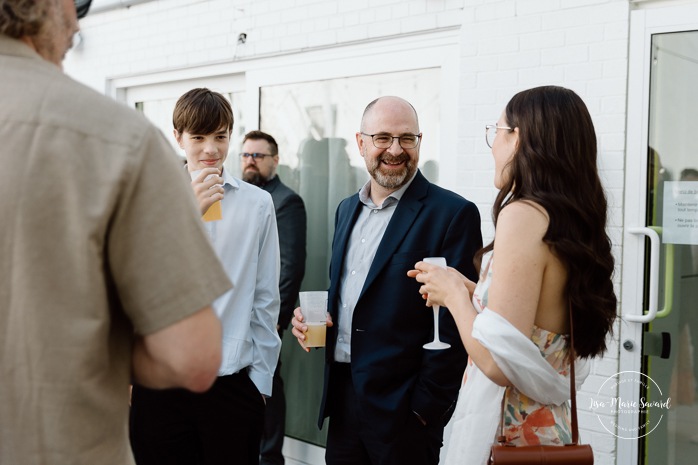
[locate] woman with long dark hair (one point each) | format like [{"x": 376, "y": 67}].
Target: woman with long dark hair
[{"x": 550, "y": 252}]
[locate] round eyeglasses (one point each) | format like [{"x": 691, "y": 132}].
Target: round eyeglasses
[
  {"x": 384, "y": 141},
  {"x": 491, "y": 133}
]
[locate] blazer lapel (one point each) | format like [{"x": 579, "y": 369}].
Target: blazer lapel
[
  {"x": 345, "y": 224},
  {"x": 405, "y": 214}
]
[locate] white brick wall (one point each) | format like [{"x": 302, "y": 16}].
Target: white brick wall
[
  {"x": 511, "y": 45},
  {"x": 166, "y": 34}
]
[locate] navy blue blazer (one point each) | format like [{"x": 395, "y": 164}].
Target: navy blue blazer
[{"x": 392, "y": 374}]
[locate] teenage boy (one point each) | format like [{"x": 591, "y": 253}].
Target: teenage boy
[{"x": 223, "y": 425}]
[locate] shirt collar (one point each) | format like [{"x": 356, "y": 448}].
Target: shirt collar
[
  {"x": 15, "y": 47},
  {"x": 229, "y": 179},
  {"x": 365, "y": 194}
]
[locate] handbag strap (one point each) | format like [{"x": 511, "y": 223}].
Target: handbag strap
[
  {"x": 573, "y": 393},
  {"x": 573, "y": 385}
]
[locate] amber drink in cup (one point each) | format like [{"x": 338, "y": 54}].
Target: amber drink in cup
[
  {"x": 314, "y": 310},
  {"x": 214, "y": 212}
]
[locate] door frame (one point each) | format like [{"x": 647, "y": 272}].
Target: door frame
[{"x": 644, "y": 22}]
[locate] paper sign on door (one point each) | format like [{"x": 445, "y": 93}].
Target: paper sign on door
[{"x": 680, "y": 215}]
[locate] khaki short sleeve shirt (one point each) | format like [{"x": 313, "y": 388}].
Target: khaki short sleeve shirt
[{"x": 99, "y": 238}]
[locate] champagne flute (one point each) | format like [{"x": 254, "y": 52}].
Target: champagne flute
[{"x": 436, "y": 344}]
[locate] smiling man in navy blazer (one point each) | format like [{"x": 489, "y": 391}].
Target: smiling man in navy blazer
[{"x": 387, "y": 397}]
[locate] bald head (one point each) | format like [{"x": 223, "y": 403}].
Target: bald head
[{"x": 389, "y": 104}]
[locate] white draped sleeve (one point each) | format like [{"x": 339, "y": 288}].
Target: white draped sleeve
[
  {"x": 521, "y": 361},
  {"x": 478, "y": 412}
]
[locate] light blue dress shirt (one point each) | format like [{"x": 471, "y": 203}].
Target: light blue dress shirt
[
  {"x": 247, "y": 243},
  {"x": 364, "y": 239}
]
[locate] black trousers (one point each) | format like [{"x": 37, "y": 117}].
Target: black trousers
[
  {"x": 351, "y": 442},
  {"x": 218, "y": 427},
  {"x": 274, "y": 423}
]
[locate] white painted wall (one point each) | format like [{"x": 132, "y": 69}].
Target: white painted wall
[{"x": 175, "y": 34}]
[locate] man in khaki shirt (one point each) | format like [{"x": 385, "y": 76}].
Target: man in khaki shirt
[{"x": 106, "y": 274}]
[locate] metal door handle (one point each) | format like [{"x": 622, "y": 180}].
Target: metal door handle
[{"x": 654, "y": 275}]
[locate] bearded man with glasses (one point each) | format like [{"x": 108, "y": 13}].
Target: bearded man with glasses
[{"x": 389, "y": 398}]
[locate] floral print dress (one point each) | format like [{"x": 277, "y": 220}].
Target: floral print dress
[{"x": 527, "y": 422}]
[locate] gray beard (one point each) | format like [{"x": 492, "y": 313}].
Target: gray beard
[{"x": 396, "y": 180}]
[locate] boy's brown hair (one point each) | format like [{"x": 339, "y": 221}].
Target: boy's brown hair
[{"x": 202, "y": 111}]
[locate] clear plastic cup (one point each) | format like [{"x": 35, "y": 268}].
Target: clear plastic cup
[{"x": 314, "y": 310}]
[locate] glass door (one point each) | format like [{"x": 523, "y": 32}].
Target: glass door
[
  {"x": 671, "y": 339},
  {"x": 659, "y": 328}
]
